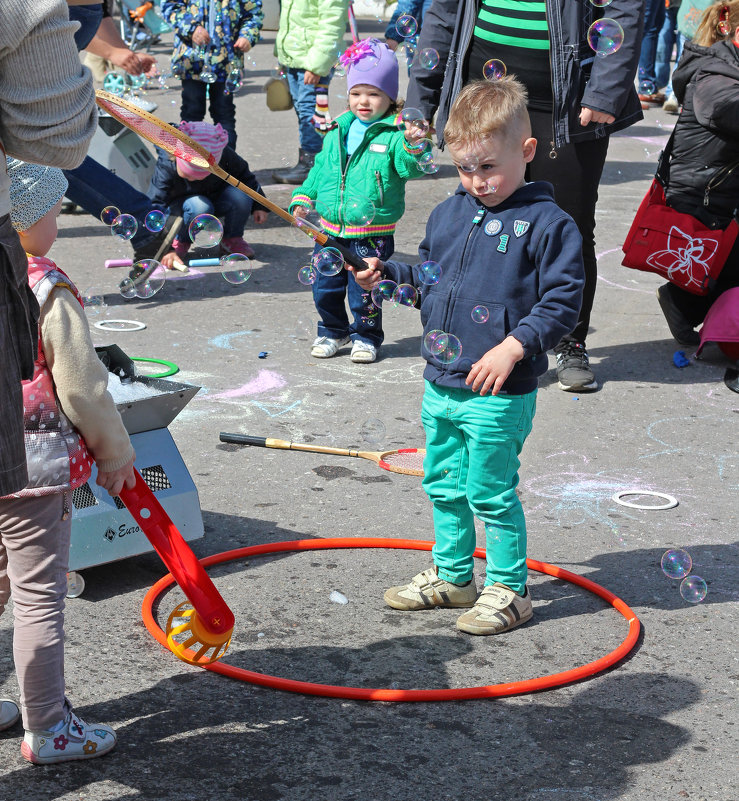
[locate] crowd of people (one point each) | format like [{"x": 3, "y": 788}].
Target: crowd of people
[{"x": 529, "y": 147}]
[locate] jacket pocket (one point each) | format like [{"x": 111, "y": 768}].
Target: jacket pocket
[{"x": 477, "y": 324}]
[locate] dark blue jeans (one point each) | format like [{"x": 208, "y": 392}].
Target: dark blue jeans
[
  {"x": 329, "y": 293},
  {"x": 231, "y": 204},
  {"x": 195, "y": 94},
  {"x": 89, "y": 18},
  {"x": 93, "y": 187},
  {"x": 654, "y": 16},
  {"x": 304, "y": 101}
]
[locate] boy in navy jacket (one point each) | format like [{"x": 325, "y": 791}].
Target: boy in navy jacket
[{"x": 501, "y": 278}]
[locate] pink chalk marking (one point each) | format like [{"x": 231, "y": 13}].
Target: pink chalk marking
[{"x": 264, "y": 381}]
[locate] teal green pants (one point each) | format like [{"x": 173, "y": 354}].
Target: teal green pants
[{"x": 471, "y": 469}]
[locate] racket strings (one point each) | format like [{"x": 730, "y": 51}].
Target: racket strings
[
  {"x": 154, "y": 130},
  {"x": 409, "y": 462}
]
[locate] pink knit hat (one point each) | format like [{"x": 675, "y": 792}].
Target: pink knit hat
[
  {"x": 722, "y": 324},
  {"x": 212, "y": 137},
  {"x": 371, "y": 62}
]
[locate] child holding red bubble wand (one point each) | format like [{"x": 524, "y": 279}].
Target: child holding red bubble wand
[
  {"x": 507, "y": 284},
  {"x": 357, "y": 185}
]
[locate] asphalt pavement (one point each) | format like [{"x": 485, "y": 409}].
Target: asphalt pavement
[{"x": 659, "y": 725}]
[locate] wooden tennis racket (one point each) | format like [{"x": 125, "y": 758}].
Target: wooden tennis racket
[
  {"x": 181, "y": 146},
  {"x": 408, "y": 461}
]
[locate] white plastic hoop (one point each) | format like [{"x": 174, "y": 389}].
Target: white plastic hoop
[
  {"x": 109, "y": 325},
  {"x": 670, "y": 502}
]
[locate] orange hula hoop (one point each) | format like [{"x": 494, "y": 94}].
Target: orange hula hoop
[{"x": 379, "y": 694}]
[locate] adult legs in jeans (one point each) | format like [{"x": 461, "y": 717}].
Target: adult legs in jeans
[
  {"x": 89, "y": 17},
  {"x": 654, "y": 15},
  {"x": 304, "y": 102},
  {"x": 471, "y": 469},
  {"x": 34, "y": 556},
  {"x": 575, "y": 175},
  {"x": 93, "y": 187}
]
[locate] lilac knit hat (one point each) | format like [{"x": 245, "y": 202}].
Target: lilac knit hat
[{"x": 372, "y": 62}]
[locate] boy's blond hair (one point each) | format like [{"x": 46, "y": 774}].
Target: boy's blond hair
[{"x": 488, "y": 108}]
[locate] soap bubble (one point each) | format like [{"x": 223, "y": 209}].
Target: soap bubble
[
  {"x": 676, "y": 563},
  {"x": 236, "y": 268},
  {"x": 605, "y": 36},
  {"x": 428, "y": 58},
  {"x": 480, "y": 314},
  {"x": 372, "y": 431},
  {"x": 693, "y": 589},
  {"x": 383, "y": 292},
  {"x": 109, "y": 214},
  {"x": 647, "y": 87},
  {"x": 404, "y": 295},
  {"x": 357, "y": 211},
  {"x": 469, "y": 163},
  {"x": 600, "y": 3},
  {"x": 307, "y": 274},
  {"x": 338, "y": 597},
  {"x": 406, "y": 25},
  {"x": 205, "y": 231},
  {"x": 328, "y": 261},
  {"x": 127, "y": 288},
  {"x": 94, "y": 301},
  {"x": 155, "y": 220},
  {"x": 124, "y": 226},
  {"x": 429, "y": 273},
  {"x": 494, "y": 70},
  {"x": 339, "y": 70},
  {"x": 413, "y": 118},
  {"x": 147, "y": 287},
  {"x": 444, "y": 347},
  {"x": 277, "y": 72}
]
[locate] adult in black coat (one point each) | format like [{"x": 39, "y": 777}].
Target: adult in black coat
[
  {"x": 704, "y": 168},
  {"x": 576, "y": 100}
]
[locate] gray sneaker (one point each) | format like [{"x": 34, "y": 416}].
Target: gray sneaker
[
  {"x": 498, "y": 609},
  {"x": 427, "y": 590},
  {"x": 573, "y": 368},
  {"x": 9, "y": 713}
]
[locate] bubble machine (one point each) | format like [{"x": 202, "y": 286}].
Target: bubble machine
[{"x": 103, "y": 530}]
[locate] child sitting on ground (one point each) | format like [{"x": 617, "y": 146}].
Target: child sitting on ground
[
  {"x": 70, "y": 419},
  {"x": 189, "y": 191},
  {"x": 357, "y": 185},
  {"x": 501, "y": 278}
]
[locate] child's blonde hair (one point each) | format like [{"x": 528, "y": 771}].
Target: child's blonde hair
[
  {"x": 708, "y": 33},
  {"x": 487, "y": 108}
]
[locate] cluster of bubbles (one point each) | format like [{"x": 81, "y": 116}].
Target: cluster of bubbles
[
  {"x": 412, "y": 119},
  {"x": 677, "y": 564},
  {"x": 407, "y": 27},
  {"x": 234, "y": 74},
  {"x": 445, "y": 348}
]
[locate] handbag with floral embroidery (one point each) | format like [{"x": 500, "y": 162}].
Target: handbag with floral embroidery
[{"x": 678, "y": 246}]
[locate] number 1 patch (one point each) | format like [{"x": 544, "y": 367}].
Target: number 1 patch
[{"x": 503, "y": 243}]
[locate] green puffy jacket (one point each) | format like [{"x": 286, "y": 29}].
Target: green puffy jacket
[
  {"x": 310, "y": 34},
  {"x": 363, "y": 195}
]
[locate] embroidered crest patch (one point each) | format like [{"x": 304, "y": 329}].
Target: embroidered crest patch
[
  {"x": 493, "y": 227},
  {"x": 520, "y": 227}
]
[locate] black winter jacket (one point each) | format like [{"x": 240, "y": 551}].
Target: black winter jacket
[
  {"x": 706, "y": 82},
  {"x": 167, "y": 186},
  {"x": 579, "y": 78}
]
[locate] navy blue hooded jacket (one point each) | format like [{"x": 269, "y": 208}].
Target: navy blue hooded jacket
[{"x": 522, "y": 260}]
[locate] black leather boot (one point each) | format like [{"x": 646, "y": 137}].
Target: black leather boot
[{"x": 298, "y": 173}]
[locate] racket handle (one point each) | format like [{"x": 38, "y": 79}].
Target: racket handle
[
  {"x": 243, "y": 439},
  {"x": 349, "y": 256}
]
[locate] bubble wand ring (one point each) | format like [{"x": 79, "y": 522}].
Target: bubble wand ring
[{"x": 181, "y": 146}]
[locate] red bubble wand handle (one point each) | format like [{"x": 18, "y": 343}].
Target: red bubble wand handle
[{"x": 208, "y": 621}]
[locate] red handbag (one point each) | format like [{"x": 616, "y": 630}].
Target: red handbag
[{"x": 678, "y": 246}]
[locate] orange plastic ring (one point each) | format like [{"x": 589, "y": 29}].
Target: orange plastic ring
[{"x": 376, "y": 694}]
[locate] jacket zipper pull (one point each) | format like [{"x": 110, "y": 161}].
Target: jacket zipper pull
[
  {"x": 553, "y": 151},
  {"x": 479, "y": 215}
]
